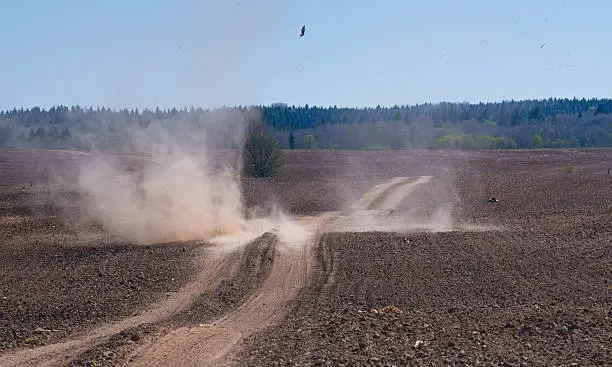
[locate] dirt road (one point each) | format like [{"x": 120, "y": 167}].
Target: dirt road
[
  {"x": 213, "y": 266},
  {"x": 203, "y": 345},
  {"x": 214, "y": 343}
]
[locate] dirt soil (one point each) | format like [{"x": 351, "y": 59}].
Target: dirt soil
[
  {"x": 467, "y": 298},
  {"x": 48, "y": 293},
  {"x": 524, "y": 281},
  {"x": 247, "y": 272}
]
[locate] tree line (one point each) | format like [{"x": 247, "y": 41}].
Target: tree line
[{"x": 500, "y": 125}]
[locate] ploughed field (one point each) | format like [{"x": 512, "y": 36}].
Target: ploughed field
[{"x": 423, "y": 270}]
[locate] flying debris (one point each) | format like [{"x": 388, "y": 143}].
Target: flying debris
[
  {"x": 303, "y": 30},
  {"x": 542, "y": 45}
]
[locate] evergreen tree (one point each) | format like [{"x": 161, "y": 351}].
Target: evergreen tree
[{"x": 291, "y": 140}]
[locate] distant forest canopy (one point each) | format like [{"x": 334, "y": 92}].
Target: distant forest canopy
[{"x": 501, "y": 125}]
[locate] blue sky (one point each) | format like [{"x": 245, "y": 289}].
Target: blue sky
[{"x": 141, "y": 53}]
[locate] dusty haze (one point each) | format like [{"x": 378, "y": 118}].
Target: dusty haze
[
  {"x": 178, "y": 193},
  {"x": 184, "y": 191},
  {"x": 180, "y": 182}
]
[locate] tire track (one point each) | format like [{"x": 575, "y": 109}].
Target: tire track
[
  {"x": 248, "y": 272},
  {"x": 394, "y": 196},
  {"x": 325, "y": 257},
  {"x": 215, "y": 343},
  {"x": 378, "y": 192},
  {"x": 215, "y": 268},
  {"x": 329, "y": 262},
  {"x": 210, "y": 344},
  {"x": 366, "y": 214},
  {"x": 387, "y": 195}
]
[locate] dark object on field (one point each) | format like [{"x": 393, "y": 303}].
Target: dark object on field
[
  {"x": 31, "y": 183},
  {"x": 493, "y": 200},
  {"x": 303, "y": 30}
]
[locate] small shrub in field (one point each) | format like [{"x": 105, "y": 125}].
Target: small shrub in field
[
  {"x": 262, "y": 156},
  {"x": 311, "y": 142},
  {"x": 568, "y": 168},
  {"x": 376, "y": 147}
]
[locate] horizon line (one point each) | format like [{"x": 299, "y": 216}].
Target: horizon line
[{"x": 274, "y": 104}]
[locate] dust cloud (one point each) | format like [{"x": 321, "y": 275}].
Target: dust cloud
[
  {"x": 290, "y": 231},
  {"x": 172, "y": 195},
  {"x": 180, "y": 180},
  {"x": 399, "y": 204},
  {"x": 176, "y": 185}
]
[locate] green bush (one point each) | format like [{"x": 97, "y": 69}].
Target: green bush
[
  {"x": 568, "y": 168},
  {"x": 311, "y": 142},
  {"x": 376, "y": 147},
  {"x": 468, "y": 142},
  {"x": 262, "y": 156}
]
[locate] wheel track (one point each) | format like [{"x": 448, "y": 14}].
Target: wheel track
[
  {"x": 215, "y": 268},
  {"x": 329, "y": 262},
  {"x": 394, "y": 196},
  {"x": 387, "y": 195},
  {"x": 207, "y": 345},
  {"x": 366, "y": 213},
  {"x": 249, "y": 269},
  {"x": 215, "y": 344},
  {"x": 379, "y": 192}
]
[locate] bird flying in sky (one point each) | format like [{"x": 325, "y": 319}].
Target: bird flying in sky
[{"x": 303, "y": 30}]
